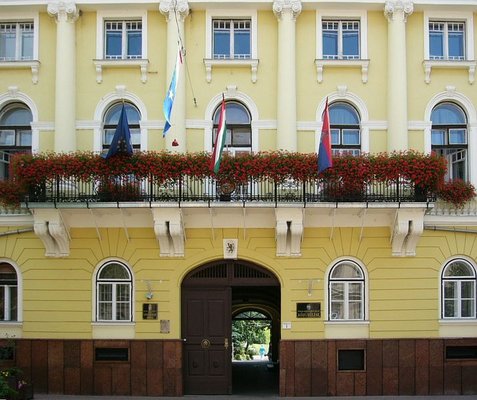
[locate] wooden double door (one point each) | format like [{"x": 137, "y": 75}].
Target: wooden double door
[
  {"x": 207, "y": 322},
  {"x": 207, "y": 340}
]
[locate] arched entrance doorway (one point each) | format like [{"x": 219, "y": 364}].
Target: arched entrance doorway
[{"x": 211, "y": 295}]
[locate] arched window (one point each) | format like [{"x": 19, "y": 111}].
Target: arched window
[
  {"x": 345, "y": 129},
  {"x": 111, "y": 119},
  {"x": 449, "y": 138},
  {"x": 8, "y": 293},
  {"x": 113, "y": 293},
  {"x": 346, "y": 291},
  {"x": 15, "y": 133},
  {"x": 458, "y": 290},
  {"x": 239, "y": 130}
]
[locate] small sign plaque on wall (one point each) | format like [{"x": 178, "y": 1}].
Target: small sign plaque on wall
[
  {"x": 149, "y": 311},
  {"x": 165, "y": 326},
  {"x": 308, "y": 310}
]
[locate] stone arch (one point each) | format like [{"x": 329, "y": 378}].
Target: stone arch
[
  {"x": 342, "y": 94},
  {"x": 231, "y": 94},
  {"x": 106, "y": 101}
]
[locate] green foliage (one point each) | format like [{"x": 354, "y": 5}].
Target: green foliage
[{"x": 246, "y": 333}]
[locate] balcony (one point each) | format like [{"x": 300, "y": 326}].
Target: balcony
[
  {"x": 171, "y": 193},
  {"x": 265, "y": 178},
  {"x": 75, "y": 192}
]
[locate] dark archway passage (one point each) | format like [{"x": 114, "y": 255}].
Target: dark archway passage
[{"x": 211, "y": 295}]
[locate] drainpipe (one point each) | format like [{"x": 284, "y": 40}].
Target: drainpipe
[
  {"x": 439, "y": 228},
  {"x": 16, "y": 232}
]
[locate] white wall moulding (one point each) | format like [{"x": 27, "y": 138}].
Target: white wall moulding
[
  {"x": 321, "y": 64},
  {"x": 448, "y": 64},
  {"x": 209, "y": 63},
  {"x": 103, "y": 64},
  {"x": 33, "y": 65}
]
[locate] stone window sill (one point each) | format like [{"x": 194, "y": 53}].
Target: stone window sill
[
  {"x": 449, "y": 64},
  {"x": 322, "y": 63},
  {"x": 101, "y": 64},
  {"x": 34, "y": 65},
  {"x": 209, "y": 63}
]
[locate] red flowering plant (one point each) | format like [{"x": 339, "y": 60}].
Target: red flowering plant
[
  {"x": 348, "y": 176},
  {"x": 457, "y": 192}
]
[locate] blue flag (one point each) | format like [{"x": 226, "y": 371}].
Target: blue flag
[
  {"x": 171, "y": 93},
  {"x": 121, "y": 142}
]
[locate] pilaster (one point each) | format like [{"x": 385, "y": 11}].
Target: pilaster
[
  {"x": 176, "y": 10},
  {"x": 66, "y": 15},
  {"x": 286, "y": 12},
  {"x": 397, "y": 12}
]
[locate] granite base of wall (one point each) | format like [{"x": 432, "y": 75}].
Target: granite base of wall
[{"x": 390, "y": 367}]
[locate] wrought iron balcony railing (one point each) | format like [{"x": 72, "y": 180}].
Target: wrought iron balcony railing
[{"x": 192, "y": 189}]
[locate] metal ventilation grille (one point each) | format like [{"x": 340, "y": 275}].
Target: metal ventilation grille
[
  {"x": 245, "y": 271},
  {"x": 213, "y": 272}
]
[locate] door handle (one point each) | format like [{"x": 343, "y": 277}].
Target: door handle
[{"x": 226, "y": 343}]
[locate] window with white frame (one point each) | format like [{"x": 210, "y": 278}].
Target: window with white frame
[
  {"x": 111, "y": 119},
  {"x": 447, "y": 40},
  {"x": 448, "y": 36},
  {"x": 123, "y": 39},
  {"x": 16, "y": 41},
  {"x": 346, "y": 292},
  {"x": 341, "y": 35},
  {"x": 345, "y": 129},
  {"x": 238, "y": 137},
  {"x": 231, "y": 36},
  {"x": 341, "y": 39},
  {"x": 15, "y": 134},
  {"x": 113, "y": 293},
  {"x": 8, "y": 293},
  {"x": 232, "y": 39},
  {"x": 449, "y": 138},
  {"x": 458, "y": 290}
]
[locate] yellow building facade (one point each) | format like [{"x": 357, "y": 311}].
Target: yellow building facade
[{"x": 138, "y": 298}]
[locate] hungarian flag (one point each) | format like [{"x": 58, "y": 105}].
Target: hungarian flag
[
  {"x": 219, "y": 140},
  {"x": 324, "y": 152},
  {"x": 171, "y": 93}
]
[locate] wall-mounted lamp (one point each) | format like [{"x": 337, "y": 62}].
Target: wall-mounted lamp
[
  {"x": 149, "y": 294},
  {"x": 310, "y": 285}
]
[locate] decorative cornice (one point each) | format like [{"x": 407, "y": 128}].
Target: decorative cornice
[
  {"x": 180, "y": 7},
  {"x": 64, "y": 11},
  {"x": 393, "y": 7},
  {"x": 282, "y": 6}
]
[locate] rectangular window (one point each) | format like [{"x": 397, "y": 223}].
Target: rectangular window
[
  {"x": 446, "y": 40},
  {"x": 111, "y": 354},
  {"x": 350, "y": 137},
  {"x": 457, "y": 136},
  {"x": 341, "y": 39},
  {"x": 461, "y": 353},
  {"x": 123, "y": 40},
  {"x": 350, "y": 360},
  {"x": 7, "y": 353},
  {"x": 8, "y": 303},
  {"x": 16, "y": 41},
  {"x": 438, "y": 137},
  {"x": 231, "y": 39}
]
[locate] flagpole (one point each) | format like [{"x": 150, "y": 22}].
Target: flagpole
[{"x": 175, "y": 13}]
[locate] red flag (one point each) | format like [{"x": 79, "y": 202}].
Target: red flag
[{"x": 325, "y": 160}]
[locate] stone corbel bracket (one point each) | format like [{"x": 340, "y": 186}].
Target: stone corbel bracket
[
  {"x": 49, "y": 227},
  {"x": 169, "y": 231},
  {"x": 406, "y": 232},
  {"x": 289, "y": 231}
]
